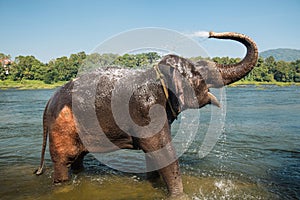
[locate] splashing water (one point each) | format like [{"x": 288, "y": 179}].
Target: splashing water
[{"x": 199, "y": 34}]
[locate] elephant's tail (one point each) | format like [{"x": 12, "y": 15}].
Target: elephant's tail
[{"x": 40, "y": 170}]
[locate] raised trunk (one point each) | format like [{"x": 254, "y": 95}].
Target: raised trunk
[{"x": 234, "y": 72}]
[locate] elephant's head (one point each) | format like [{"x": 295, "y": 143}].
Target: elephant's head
[{"x": 202, "y": 75}]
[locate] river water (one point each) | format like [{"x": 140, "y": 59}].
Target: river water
[{"x": 256, "y": 157}]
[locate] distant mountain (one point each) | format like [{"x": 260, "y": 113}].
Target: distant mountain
[{"x": 282, "y": 54}]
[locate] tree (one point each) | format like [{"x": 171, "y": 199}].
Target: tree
[
  {"x": 2, "y": 72},
  {"x": 226, "y": 60},
  {"x": 4, "y": 66},
  {"x": 96, "y": 60},
  {"x": 152, "y": 57},
  {"x": 142, "y": 60},
  {"x": 296, "y": 66},
  {"x": 4, "y": 56},
  {"x": 283, "y": 72},
  {"x": 74, "y": 63},
  {"x": 27, "y": 67},
  {"x": 270, "y": 62},
  {"x": 64, "y": 68},
  {"x": 51, "y": 74},
  {"x": 260, "y": 72},
  {"x": 127, "y": 60}
]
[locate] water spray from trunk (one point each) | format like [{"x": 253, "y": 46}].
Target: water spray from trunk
[{"x": 199, "y": 34}]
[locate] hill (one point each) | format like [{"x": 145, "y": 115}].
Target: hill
[{"x": 282, "y": 54}]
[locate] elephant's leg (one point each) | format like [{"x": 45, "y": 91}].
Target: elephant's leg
[
  {"x": 162, "y": 157},
  {"x": 61, "y": 172},
  {"x": 152, "y": 175},
  {"x": 60, "y": 159},
  {"x": 172, "y": 177},
  {"x": 64, "y": 144}
]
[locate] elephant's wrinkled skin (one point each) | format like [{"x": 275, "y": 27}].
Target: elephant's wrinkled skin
[{"x": 180, "y": 75}]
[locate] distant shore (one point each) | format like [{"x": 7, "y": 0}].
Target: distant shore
[
  {"x": 239, "y": 83},
  {"x": 35, "y": 84},
  {"x": 28, "y": 85}
]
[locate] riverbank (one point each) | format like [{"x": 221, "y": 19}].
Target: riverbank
[
  {"x": 28, "y": 85},
  {"x": 239, "y": 83},
  {"x": 35, "y": 84}
]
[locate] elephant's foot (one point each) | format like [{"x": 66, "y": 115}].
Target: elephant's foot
[
  {"x": 61, "y": 173},
  {"x": 172, "y": 177}
]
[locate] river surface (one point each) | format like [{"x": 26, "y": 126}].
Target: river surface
[{"x": 256, "y": 157}]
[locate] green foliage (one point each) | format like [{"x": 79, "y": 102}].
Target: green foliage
[
  {"x": 27, "y": 67},
  {"x": 4, "y": 67},
  {"x": 95, "y": 60},
  {"x": 268, "y": 70},
  {"x": 260, "y": 73},
  {"x": 2, "y": 72},
  {"x": 296, "y": 66},
  {"x": 142, "y": 60},
  {"x": 66, "y": 68},
  {"x": 226, "y": 60},
  {"x": 3, "y": 56}
]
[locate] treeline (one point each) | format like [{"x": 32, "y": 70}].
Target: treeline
[
  {"x": 66, "y": 68},
  {"x": 266, "y": 70},
  {"x": 269, "y": 70}
]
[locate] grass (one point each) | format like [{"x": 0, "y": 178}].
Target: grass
[
  {"x": 28, "y": 84},
  {"x": 264, "y": 83},
  {"x": 35, "y": 84}
]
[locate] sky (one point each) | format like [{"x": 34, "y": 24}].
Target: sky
[{"x": 55, "y": 28}]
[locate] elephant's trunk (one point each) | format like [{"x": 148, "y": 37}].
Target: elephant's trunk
[{"x": 234, "y": 72}]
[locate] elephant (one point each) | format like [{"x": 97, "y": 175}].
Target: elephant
[{"x": 175, "y": 84}]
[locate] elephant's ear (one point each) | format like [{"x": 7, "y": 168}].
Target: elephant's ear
[
  {"x": 174, "y": 82},
  {"x": 176, "y": 68},
  {"x": 177, "y": 85}
]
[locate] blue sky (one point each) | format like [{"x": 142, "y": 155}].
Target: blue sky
[{"x": 54, "y": 28}]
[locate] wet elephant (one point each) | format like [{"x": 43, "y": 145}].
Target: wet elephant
[{"x": 168, "y": 84}]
